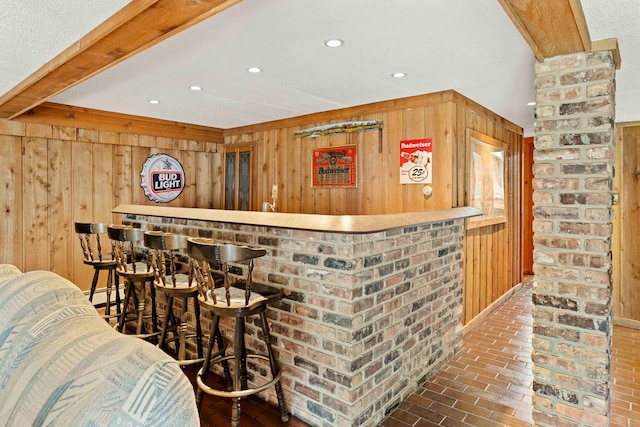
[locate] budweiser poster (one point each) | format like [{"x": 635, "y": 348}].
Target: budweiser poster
[{"x": 415, "y": 161}]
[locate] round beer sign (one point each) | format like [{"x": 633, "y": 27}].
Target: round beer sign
[{"x": 162, "y": 178}]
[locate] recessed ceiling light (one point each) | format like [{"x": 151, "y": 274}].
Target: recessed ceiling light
[
  {"x": 254, "y": 69},
  {"x": 153, "y": 101},
  {"x": 333, "y": 43},
  {"x": 195, "y": 87},
  {"x": 399, "y": 75}
]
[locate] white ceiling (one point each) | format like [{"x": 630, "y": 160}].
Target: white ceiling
[{"x": 470, "y": 46}]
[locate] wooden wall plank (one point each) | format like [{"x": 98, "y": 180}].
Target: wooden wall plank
[
  {"x": 11, "y": 237},
  {"x": 202, "y": 180},
  {"x": 295, "y": 174},
  {"x": 629, "y": 297},
  {"x": 60, "y": 210},
  {"x": 138, "y": 156},
  {"x": 123, "y": 191},
  {"x": 37, "y": 255},
  {"x": 413, "y": 128},
  {"x": 216, "y": 180},
  {"x": 103, "y": 179},
  {"x": 83, "y": 204},
  {"x": 392, "y": 135},
  {"x": 372, "y": 180}
]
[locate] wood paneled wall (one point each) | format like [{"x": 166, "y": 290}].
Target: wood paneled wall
[
  {"x": 280, "y": 158},
  {"x": 492, "y": 254},
  {"x": 626, "y": 226},
  {"x": 56, "y": 175}
]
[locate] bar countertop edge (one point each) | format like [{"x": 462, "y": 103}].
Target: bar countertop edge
[{"x": 314, "y": 222}]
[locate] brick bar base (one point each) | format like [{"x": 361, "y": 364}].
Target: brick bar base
[
  {"x": 366, "y": 319},
  {"x": 572, "y": 314}
]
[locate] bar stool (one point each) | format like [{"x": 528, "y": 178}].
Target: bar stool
[
  {"x": 137, "y": 273},
  {"x": 89, "y": 235},
  {"x": 163, "y": 250},
  {"x": 237, "y": 300}
]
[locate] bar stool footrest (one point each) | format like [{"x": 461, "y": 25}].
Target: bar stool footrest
[{"x": 238, "y": 393}]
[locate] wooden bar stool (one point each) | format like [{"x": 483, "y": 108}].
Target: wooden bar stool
[
  {"x": 89, "y": 235},
  {"x": 178, "y": 283},
  {"x": 137, "y": 273},
  {"x": 237, "y": 299}
]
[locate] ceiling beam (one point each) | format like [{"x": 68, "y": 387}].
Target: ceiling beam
[
  {"x": 136, "y": 27},
  {"x": 555, "y": 27}
]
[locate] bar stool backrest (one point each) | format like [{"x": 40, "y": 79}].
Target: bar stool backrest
[
  {"x": 205, "y": 251},
  {"x": 164, "y": 247},
  {"x": 89, "y": 235},
  {"x": 127, "y": 248}
]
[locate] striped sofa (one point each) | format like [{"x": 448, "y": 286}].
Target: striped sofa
[{"x": 62, "y": 365}]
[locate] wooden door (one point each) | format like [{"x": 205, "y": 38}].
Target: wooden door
[{"x": 627, "y": 297}]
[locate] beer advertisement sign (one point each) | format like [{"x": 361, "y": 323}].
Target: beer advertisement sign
[
  {"x": 162, "y": 178},
  {"x": 334, "y": 167},
  {"x": 415, "y": 161}
]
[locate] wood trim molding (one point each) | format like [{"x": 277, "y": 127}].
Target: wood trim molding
[
  {"x": 608, "y": 44},
  {"x": 85, "y": 118},
  {"x": 377, "y": 107},
  {"x": 136, "y": 27}
]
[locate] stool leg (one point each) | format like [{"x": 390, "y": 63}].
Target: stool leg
[
  {"x": 127, "y": 297},
  {"x": 204, "y": 371},
  {"x": 107, "y": 309},
  {"x": 222, "y": 348},
  {"x": 94, "y": 283},
  {"x": 275, "y": 368},
  {"x": 240, "y": 372},
  {"x": 141, "y": 305},
  {"x": 182, "y": 331},
  {"x": 240, "y": 353},
  {"x": 154, "y": 311},
  {"x": 167, "y": 319},
  {"x": 196, "y": 311},
  {"x": 117, "y": 288}
]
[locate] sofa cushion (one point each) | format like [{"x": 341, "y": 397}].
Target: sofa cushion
[
  {"x": 7, "y": 271},
  {"x": 62, "y": 364}
]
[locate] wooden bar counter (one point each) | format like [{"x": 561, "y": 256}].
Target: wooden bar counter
[{"x": 373, "y": 303}]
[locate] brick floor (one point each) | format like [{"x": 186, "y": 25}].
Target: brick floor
[{"x": 487, "y": 384}]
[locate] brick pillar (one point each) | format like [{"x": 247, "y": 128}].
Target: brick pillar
[{"x": 572, "y": 298}]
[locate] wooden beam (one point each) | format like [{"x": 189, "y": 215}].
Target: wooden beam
[
  {"x": 581, "y": 23},
  {"x": 549, "y": 26},
  {"x": 555, "y": 27},
  {"x": 136, "y": 27},
  {"x": 53, "y": 114}
]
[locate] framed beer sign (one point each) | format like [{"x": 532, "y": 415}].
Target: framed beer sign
[{"x": 334, "y": 167}]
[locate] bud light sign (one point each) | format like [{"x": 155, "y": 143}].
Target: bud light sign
[{"x": 162, "y": 178}]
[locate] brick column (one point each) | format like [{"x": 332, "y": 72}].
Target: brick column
[{"x": 572, "y": 298}]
